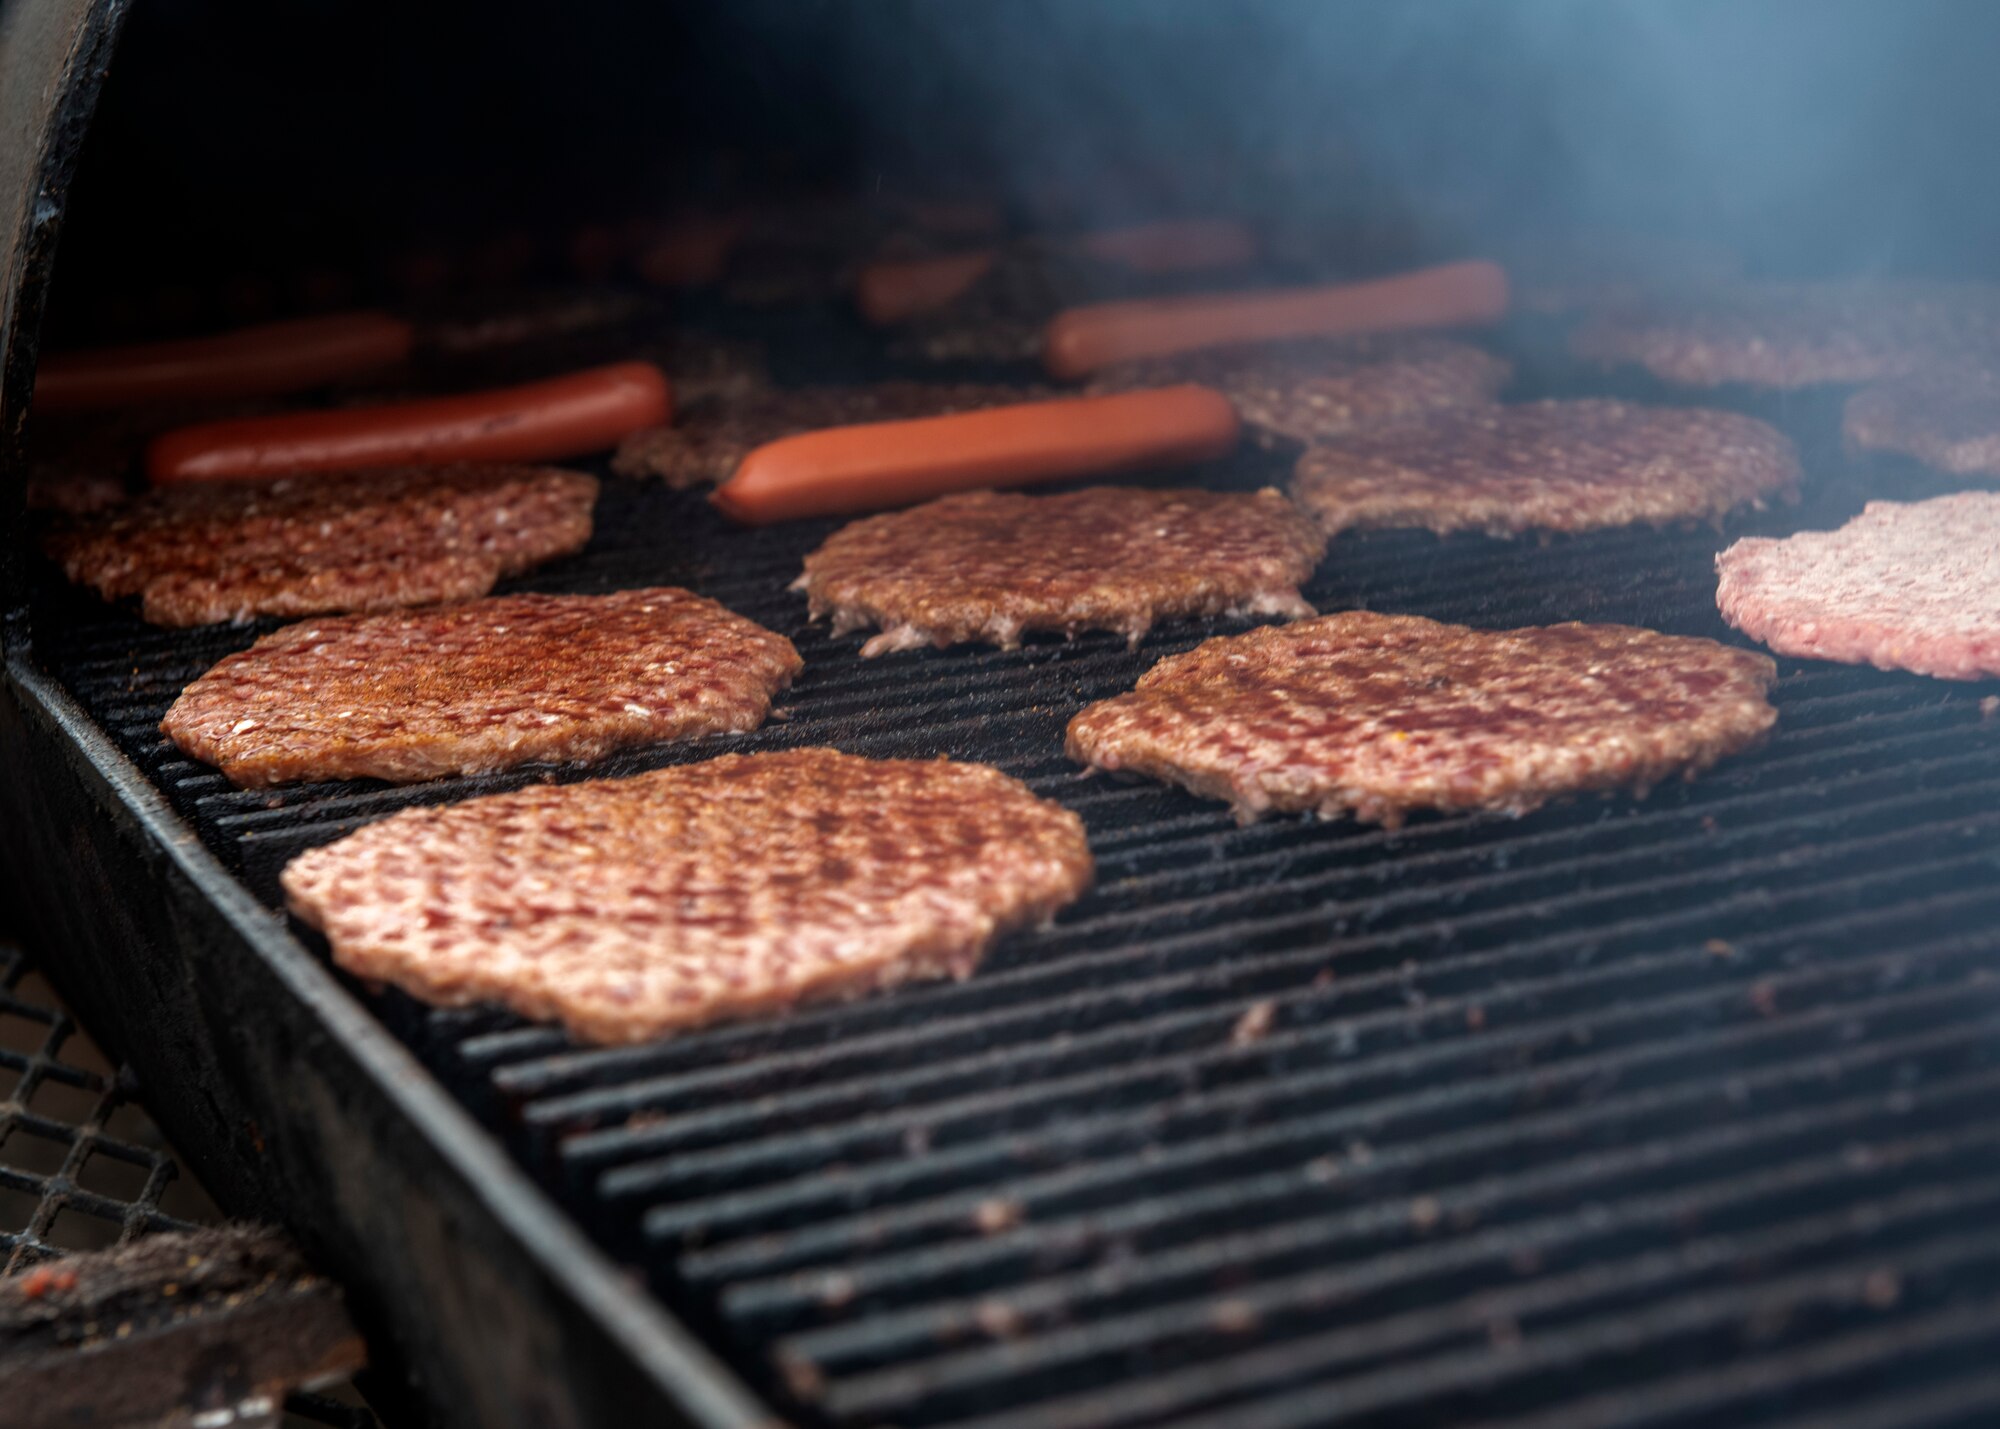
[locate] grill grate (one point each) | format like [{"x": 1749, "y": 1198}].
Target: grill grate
[
  {"x": 81, "y": 1164},
  {"x": 1626, "y": 1112}
]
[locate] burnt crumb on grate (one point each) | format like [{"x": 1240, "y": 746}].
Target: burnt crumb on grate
[
  {"x": 86, "y": 1298},
  {"x": 100, "y": 1254}
]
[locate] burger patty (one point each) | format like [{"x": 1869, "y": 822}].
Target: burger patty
[
  {"x": 1551, "y": 466},
  {"x": 1375, "y": 715},
  {"x": 705, "y": 367},
  {"x": 975, "y": 332},
  {"x": 1304, "y": 391},
  {"x": 990, "y": 565},
  {"x": 1785, "y": 335},
  {"x": 199, "y": 554},
  {"x": 742, "y": 886},
  {"x": 1903, "y": 586},
  {"x": 1563, "y": 270},
  {"x": 480, "y": 686},
  {"x": 487, "y": 326},
  {"x": 1948, "y": 419},
  {"x": 1001, "y": 318},
  {"x": 706, "y": 443}
]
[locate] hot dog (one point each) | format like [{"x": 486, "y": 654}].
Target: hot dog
[
  {"x": 563, "y": 416},
  {"x": 249, "y": 362},
  {"x": 877, "y": 464},
  {"x": 1084, "y": 339},
  {"x": 894, "y": 290},
  {"x": 1175, "y": 245}
]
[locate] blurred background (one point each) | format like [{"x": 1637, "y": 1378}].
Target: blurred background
[{"x": 312, "y": 154}]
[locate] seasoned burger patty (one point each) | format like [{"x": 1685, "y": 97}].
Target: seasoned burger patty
[
  {"x": 1376, "y": 715},
  {"x": 1903, "y": 586},
  {"x": 1000, "y": 318},
  {"x": 479, "y": 686},
  {"x": 628, "y": 908},
  {"x": 706, "y": 442},
  {"x": 1307, "y": 390},
  {"x": 1787, "y": 334},
  {"x": 1947, "y": 418},
  {"x": 989, "y": 565},
  {"x": 705, "y": 367},
  {"x": 544, "y": 317},
  {"x": 1551, "y": 466},
  {"x": 199, "y": 554}
]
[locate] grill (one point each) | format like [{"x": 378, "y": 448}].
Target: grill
[{"x": 1625, "y": 1112}]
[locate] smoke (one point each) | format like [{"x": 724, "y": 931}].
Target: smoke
[
  {"x": 1805, "y": 135},
  {"x": 1809, "y": 134}
]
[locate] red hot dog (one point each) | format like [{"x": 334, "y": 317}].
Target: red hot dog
[
  {"x": 261, "y": 361},
  {"x": 537, "y": 421},
  {"x": 877, "y": 464},
  {"x": 1084, "y": 339}
]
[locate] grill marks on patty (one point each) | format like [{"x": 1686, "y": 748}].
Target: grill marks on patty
[
  {"x": 203, "y": 554},
  {"x": 1304, "y": 391},
  {"x": 481, "y": 686},
  {"x": 741, "y": 886},
  {"x": 1948, "y": 419},
  {"x": 1554, "y": 466},
  {"x": 1799, "y": 334},
  {"x": 1375, "y": 715},
  {"x": 706, "y": 443},
  {"x": 988, "y": 566},
  {"x": 1903, "y": 586}
]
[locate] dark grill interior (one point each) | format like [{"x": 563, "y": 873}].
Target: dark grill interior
[{"x": 1627, "y": 1112}]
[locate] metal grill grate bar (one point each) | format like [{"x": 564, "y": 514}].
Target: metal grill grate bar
[{"x": 1619, "y": 1113}]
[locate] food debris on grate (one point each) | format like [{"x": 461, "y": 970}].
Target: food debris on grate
[{"x": 120, "y": 1300}]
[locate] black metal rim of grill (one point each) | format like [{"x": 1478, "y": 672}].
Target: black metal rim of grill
[{"x": 1626, "y": 1112}]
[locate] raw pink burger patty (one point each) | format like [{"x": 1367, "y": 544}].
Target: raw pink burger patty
[
  {"x": 739, "y": 887},
  {"x": 480, "y": 686},
  {"x": 1375, "y": 715},
  {"x": 1903, "y": 586}
]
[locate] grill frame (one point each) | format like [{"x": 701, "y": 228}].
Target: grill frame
[
  {"x": 1018, "y": 702},
  {"x": 444, "y": 1247}
]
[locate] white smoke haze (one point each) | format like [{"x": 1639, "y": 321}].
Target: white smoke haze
[{"x": 1810, "y": 135}]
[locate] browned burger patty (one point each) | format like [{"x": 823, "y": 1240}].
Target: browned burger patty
[
  {"x": 1776, "y": 334},
  {"x": 705, "y": 367},
  {"x": 1948, "y": 418},
  {"x": 989, "y": 565},
  {"x": 706, "y": 442},
  {"x": 85, "y": 461},
  {"x": 480, "y": 686},
  {"x": 1000, "y": 318},
  {"x": 199, "y": 554},
  {"x": 739, "y": 887},
  {"x": 1561, "y": 271},
  {"x": 1375, "y": 715},
  {"x": 545, "y": 317},
  {"x": 1308, "y": 390},
  {"x": 1551, "y": 466}
]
